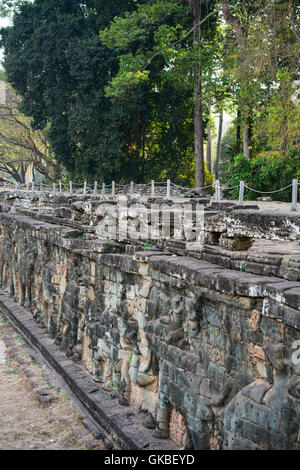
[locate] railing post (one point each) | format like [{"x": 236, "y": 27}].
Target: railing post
[
  {"x": 294, "y": 196},
  {"x": 131, "y": 187},
  {"x": 168, "y": 189},
  {"x": 60, "y": 187},
  {"x": 113, "y": 189},
  {"x": 217, "y": 191},
  {"x": 84, "y": 189},
  {"x": 71, "y": 187},
  {"x": 27, "y": 186},
  {"x": 241, "y": 194},
  {"x": 103, "y": 190},
  {"x": 95, "y": 189},
  {"x": 54, "y": 188},
  {"x": 152, "y": 188}
]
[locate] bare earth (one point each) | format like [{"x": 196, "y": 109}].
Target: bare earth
[{"x": 24, "y": 422}]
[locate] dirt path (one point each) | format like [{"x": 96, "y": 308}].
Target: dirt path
[{"x": 33, "y": 414}]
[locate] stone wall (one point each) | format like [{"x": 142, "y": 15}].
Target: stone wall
[{"x": 205, "y": 352}]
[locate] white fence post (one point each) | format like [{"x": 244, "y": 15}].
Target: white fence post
[
  {"x": 27, "y": 186},
  {"x": 84, "y": 189},
  {"x": 103, "y": 190},
  {"x": 131, "y": 187},
  {"x": 54, "y": 188},
  {"x": 113, "y": 189},
  {"x": 95, "y": 189},
  {"x": 168, "y": 189},
  {"x": 60, "y": 187},
  {"x": 217, "y": 191},
  {"x": 294, "y": 196},
  {"x": 241, "y": 194},
  {"x": 152, "y": 188},
  {"x": 71, "y": 187}
]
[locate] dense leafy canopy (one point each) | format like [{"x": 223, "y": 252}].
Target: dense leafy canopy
[
  {"x": 57, "y": 62},
  {"x": 114, "y": 82}
]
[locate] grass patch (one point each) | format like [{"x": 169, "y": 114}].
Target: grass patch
[{"x": 10, "y": 371}]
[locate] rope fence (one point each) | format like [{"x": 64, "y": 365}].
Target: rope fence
[{"x": 165, "y": 189}]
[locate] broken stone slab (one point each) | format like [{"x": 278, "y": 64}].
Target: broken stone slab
[
  {"x": 221, "y": 206},
  {"x": 292, "y": 297},
  {"x": 237, "y": 243},
  {"x": 264, "y": 199},
  {"x": 256, "y": 390},
  {"x": 242, "y": 207}
]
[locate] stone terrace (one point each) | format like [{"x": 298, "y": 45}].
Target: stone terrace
[{"x": 199, "y": 342}]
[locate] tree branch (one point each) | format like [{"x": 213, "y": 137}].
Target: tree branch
[{"x": 234, "y": 21}]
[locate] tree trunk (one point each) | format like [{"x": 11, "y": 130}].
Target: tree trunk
[
  {"x": 238, "y": 131},
  {"x": 246, "y": 141},
  {"x": 208, "y": 148},
  {"x": 220, "y": 133},
  {"x": 198, "y": 116},
  {"x": 241, "y": 36}
]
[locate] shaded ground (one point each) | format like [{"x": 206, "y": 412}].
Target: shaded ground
[{"x": 33, "y": 413}]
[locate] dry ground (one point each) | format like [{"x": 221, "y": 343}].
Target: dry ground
[{"x": 25, "y": 423}]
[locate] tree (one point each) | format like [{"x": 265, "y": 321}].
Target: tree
[
  {"x": 161, "y": 32},
  {"x": 198, "y": 102},
  {"x": 56, "y": 62},
  {"x": 263, "y": 64},
  {"x": 220, "y": 133},
  {"x": 62, "y": 69},
  {"x": 21, "y": 149},
  {"x": 7, "y": 7},
  {"x": 126, "y": 89},
  {"x": 209, "y": 147}
]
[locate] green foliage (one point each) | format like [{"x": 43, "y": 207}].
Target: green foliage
[
  {"x": 130, "y": 358},
  {"x": 7, "y": 7},
  {"x": 79, "y": 238},
  {"x": 228, "y": 151},
  {"x": 107, "y": 118},
  {"x": 267, "y": 172},
  {"x": 23, "y": 152},
  {"x": 3, "y": 75},
  {"x": 147, "y": 245},
  {"x": 111, "y": 84}
]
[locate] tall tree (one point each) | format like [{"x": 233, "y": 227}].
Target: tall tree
[
  {"x": 63, "y": 70},
  {"x": 198, "y": 105},
  {"x": 220, "y": 133},
  {"x": 169, "y": 26},
  {"x": 23, "y": 150},
  {"x": 209, "y": 147}
]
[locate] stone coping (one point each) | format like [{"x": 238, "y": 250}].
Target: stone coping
[{"x": 186, "y": 269}]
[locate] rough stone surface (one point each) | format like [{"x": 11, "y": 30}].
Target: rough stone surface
[{"x": 198, "y": 350}]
